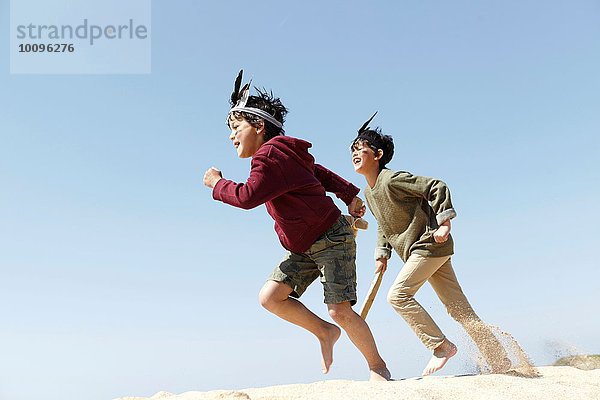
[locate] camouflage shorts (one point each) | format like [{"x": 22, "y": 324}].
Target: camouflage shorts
[{"x": 331, "y": 257}]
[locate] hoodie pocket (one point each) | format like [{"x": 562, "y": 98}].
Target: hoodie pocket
[{"x": 292, "y": 228}]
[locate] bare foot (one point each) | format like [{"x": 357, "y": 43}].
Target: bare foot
[
  {"x": 440, "y": 357},
  {"x": 380, "y": 374},
  {"x": 327, "y": 342}
]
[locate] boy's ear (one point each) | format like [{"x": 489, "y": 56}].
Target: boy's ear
[
  {"x": 379, "y": 154},
  {"x": 261, "y": 128}
]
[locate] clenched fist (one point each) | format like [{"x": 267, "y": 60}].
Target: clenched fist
[
  {"x": 441, "y": 234},
  {"x": 212, "y": 176},
  {"x": 357, "y": 208}
]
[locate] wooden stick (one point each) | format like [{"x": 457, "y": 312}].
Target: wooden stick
[{"x": 364, "y": 310}]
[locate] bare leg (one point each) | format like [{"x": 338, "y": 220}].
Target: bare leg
[
  {"x": 274, "y": 296},
  {"x": 359, "y": 333},
  {"x": 441, "y": 355}
]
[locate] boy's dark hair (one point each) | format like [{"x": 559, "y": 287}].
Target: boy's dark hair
[
  {"x": 376, "y": 141},
  {"x": 267, "y": 102}
]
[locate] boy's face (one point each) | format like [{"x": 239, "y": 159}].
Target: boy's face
[
  {"x": 364, "y": 158},
  {"x": 246, "y": 139}
]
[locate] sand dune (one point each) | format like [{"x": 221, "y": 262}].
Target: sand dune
[{"x": 555, "y": 383}]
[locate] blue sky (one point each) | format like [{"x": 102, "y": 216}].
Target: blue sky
[{"x": 121, "y": 276}]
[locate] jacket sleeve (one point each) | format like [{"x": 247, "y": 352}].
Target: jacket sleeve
[
  {"x": 264, "y": 183},
  {"x": 434, "y": 191},
  {"x": 334, "y": 183},
  {"x": 383, "y": 248}
]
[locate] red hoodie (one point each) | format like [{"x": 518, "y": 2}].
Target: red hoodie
[{"x": 285, "y": 177}]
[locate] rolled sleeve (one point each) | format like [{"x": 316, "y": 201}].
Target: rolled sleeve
[
  {"x": 445, "y": 216},
  {"x": 383, "y": 248}
]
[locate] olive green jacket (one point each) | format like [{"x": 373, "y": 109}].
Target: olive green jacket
[{"x": 408, "y": 210}]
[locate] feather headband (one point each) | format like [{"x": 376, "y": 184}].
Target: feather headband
[
  {"x": 367, "y": 134},
  {"x": 239, "y": 98},
  {"x": 365, "y": 126}
]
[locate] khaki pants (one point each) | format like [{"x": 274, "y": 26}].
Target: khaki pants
[{"x": 438, "y": 271}]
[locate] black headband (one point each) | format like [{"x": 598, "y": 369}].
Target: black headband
[
  {"x": 366, "y": 134},
  {"x": 373, "y": 140}
]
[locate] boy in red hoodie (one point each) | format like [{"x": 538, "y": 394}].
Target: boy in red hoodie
[{"x": 319, "y": 240}]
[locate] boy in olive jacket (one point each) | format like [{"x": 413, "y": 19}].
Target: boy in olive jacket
[{"x": 413, "y": 215}]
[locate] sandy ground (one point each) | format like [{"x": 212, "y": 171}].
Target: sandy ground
[{"x": 555, "y": 383}]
